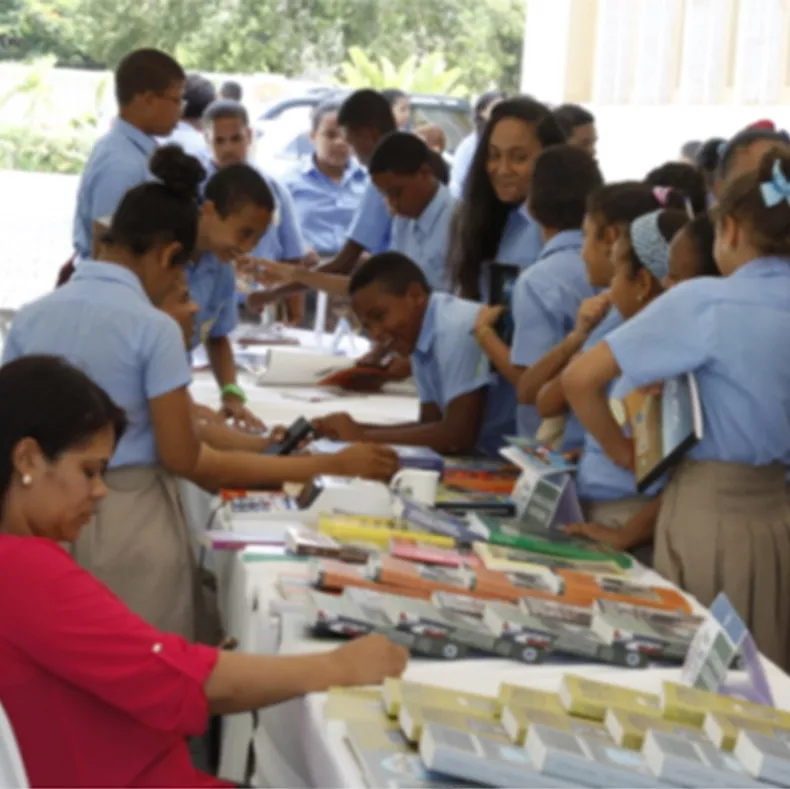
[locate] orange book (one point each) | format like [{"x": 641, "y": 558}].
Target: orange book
[
  {"x": 331, "y": 575},
  {"x": 480, "y": 482}
]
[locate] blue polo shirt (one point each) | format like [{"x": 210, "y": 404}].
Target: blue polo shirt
[
  {"x": 425, "y": 238},
  {"x": 118, "y": 163},
  {"x": 325, "y": 208},
  {"x": 447, "y": 362},
  {"x": 103, "y": 323},
  {"x": 212, "y": 285}
]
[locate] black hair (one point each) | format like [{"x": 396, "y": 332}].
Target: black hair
[
  {"x": 745, "y": 139},
  {"x": 401, "y": 153},
  {"x": 237, "y": 185},
  {"x": 683, "y": 178},
  {"x": 483, "y": 102},
  {"x": 394, "y": 95},
  {"x": 621, "y": 203},
  {"x": 743, "y": 200},
  {"x": 145, "y": 70},
  {"x": 367, "y": 108},
  {"x": 198, "y": 94},
  {"x": 562, "y": 180},
  {"x": 707, "y": 157},
  {"x": 702, "y": 233},
  {"x": 327, "y": 107},
  {"x": 690, "y": 149},
  {"x": 571, "y": 116},
  {"x": 224, "y": 109},
  {"x": 394, "y": 272},
  {"x": 53, "y": 403},
  {"x": 162, "y": 211},
  {"x": 439, "y": 166},
  {"x": 483, "y": 214},
  {"x": 670, "y": 222},
  {"x": 230, "y": 89}
]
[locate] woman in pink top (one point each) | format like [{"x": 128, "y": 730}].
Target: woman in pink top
[{"x": 96, "y": 696}]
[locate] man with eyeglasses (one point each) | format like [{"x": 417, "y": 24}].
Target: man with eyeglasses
[{"x": 149, "y": 87}]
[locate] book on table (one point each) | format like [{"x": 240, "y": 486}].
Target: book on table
[
  {"x": 395, "y": 692},
  {"x": 481, "y": 757},
  {"x": 628, "y": 728},
  {"x": 408, "y": 456},
  {"x": 590, "y": 698},
  {"x": 664, "y": 426},
  {"x": 765, "y": 758}
]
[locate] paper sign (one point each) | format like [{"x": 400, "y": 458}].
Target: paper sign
[{"x": 722, "y": 638}]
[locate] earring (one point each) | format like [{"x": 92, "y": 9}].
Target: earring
[{"x": 27, "y": 480}]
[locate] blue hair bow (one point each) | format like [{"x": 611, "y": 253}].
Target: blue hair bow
[{"x": 777, "y": 189}]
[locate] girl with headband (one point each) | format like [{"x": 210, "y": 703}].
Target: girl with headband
[{"x": 724, "y": 524}]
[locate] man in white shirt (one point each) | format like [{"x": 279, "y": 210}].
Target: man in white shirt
[{"x": 198, "y": 94}]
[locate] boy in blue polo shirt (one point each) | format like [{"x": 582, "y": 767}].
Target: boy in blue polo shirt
[
  {"x": 149, "y": 86},
  {"x": 463, "y": 406}
]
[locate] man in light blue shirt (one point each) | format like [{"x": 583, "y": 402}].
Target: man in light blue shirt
[
  {"x": 199, "y": 93},
  {"x": 423, "y": 207},
  {"x": 230, "y": 136},
  {"x": 327, "y": 189},
  {"x": 463, "y": 406},
  {"x": 149, "y": 86}
]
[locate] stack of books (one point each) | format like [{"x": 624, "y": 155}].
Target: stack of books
[{"x": 589, "y": 734}]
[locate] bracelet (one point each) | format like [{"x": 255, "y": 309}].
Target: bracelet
[{"x": 236, "y": 391}]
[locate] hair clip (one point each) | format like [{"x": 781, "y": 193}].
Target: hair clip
[
  {"x": 777, "y": 189},
  {"x": 662, "y": 193}
]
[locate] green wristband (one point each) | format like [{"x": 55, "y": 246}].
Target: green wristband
[{"x": 235, "y": 390}]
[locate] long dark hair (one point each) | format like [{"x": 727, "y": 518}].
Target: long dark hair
[
  {"x": 47, "y": 399},
  {"x": 483, "y": 215}
]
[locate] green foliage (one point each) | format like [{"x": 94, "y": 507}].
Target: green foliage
[
  {"x": 429, "y": 76},
  {"x": 480, "y": 38},
  {"x": 45, "y": 150}
]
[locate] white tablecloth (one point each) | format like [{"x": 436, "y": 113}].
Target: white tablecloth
[{"x": 295, "y": 747}]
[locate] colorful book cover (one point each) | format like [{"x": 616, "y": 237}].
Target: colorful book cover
[
  {"x": 412, "y": 551},
  {"x": 347, "y": 530},
  {"x": 591, "y": 699},
  {"x": 421, "y": 518},
  {"x": 529, "y": 697},
  {"x": 331, "y": 575},
  {"x": 664, "y": 427},
  {"x": 504, "y": 558}
]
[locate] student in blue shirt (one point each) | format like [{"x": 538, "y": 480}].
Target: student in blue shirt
[
  {"x": 326, "y": 189},
  {"x": 149, "y": 87},
  {"x": 547, "y": 295},
  {"x": 104, "y": 321},
  {"x": 199, "y": 93},
  {"x": 579, "y": 127},
  {"x": 493, "y": 223},
  {"x": 723, "y": 525},
  {"x": 464, "y": 153},
  {"x": 228, "y": 131},
  {"x": 744, "y": 152},
  {"x": 236, "y": 212},
  {"x": 608, "y": 212},
  {"x": 400, "y": 104},
  {"x": 612, "y": 507},
  {"x": 463, "y": 406}
]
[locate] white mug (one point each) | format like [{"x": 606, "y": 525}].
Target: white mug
[{"x": 417, "y": 484}]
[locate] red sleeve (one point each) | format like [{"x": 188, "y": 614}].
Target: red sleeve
[{"x": 74, "y": 627}]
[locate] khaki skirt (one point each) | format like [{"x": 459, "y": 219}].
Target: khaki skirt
[
  {"x": 725, "y": 527},
  {"x": 615, "y": 515},
  {"x": 139, "y": 546}
]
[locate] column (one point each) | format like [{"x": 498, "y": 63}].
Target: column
[{"x": 545, "y": 55}]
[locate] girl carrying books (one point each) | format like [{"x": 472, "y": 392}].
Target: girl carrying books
[{"x": 724, "y": 523}]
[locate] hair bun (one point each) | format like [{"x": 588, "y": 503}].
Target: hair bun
[{"x": 178, "y": 171}]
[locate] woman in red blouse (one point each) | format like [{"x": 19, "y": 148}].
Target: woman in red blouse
[{"x": 96, "y": 696}]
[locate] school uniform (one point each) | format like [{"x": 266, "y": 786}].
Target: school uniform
[
  {"x": 117, "y": 163},
  {"x": 425, "y": 238},
  {"x": 574, "y": 435},
  {"x": 138, "y": 544},
  {"x": 462, "y": 162},
  {"x": 520, "y": 245},
  {"x": 371, "y": 227},
  {"x": 607, "y": 492},
  {"x": 546, "y": 299},
  {"x": 191, "y": 141},
  {"x": 283, "y": 239},
  {"x": 725, "y": 517},
  {"x": 447, "y": 363},
  {"x": 324, "y": 207},
  {"x": 212, "y": 285}
]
